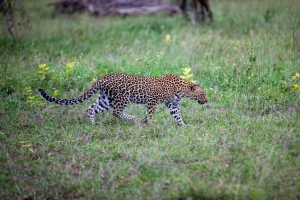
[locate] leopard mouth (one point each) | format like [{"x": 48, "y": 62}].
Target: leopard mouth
[{"x": 202, "y": 102}]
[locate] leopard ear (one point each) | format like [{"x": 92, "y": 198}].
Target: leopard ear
[{"x": 193, "y": 87}]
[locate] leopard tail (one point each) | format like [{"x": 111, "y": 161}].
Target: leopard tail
[{"x": 87, "y": 95}]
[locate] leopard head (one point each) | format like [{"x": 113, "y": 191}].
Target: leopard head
[
  {"x": 195, "y": 92},
  {"x": 188, "y": 89}
]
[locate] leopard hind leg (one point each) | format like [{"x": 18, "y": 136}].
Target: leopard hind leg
[
  {"x": 119, "y": 107},
  {"x": 102, "y": 104}
]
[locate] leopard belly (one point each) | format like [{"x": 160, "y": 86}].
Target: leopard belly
[{"x": 133, "y": 99}]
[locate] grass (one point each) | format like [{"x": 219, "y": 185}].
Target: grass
[{"x": 244, "y": 144}]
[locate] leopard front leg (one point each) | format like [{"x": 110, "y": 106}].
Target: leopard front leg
[
  {"x": 151, "y": 106},
  {"x": 173, "y": 106}
]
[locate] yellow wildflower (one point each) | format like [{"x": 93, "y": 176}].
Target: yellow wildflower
[
  {"x": 186, "y": 70},
  {"x": 186, "y": 74},
  {"x": 70, "y": 66},
  {"x": 41, "y": 104},
  {"x": 168, "y": 38},
  {"x": 55, "y": 93},
  {"x": 296, "y": 76},
  {"x": 43, "y": 70},
  {"x": 250, "y": 76},
  {"x": 28, "y": 89},
  {"x": 31, "y": 98},
  {"x": 24, "y": 144},
  {"x": 296, "y": 86},
  {"x": 44, "y": 67}
]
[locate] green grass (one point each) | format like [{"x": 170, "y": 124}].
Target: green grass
[{"x": 244, "y": 144}]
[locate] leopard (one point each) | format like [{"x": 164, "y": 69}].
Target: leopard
[{"x": 117, "y": 90}]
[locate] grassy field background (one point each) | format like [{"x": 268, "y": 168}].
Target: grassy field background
[{"x": 244, "y": 144}]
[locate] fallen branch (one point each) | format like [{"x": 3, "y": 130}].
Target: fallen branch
[
  {"x": 171, "y": 9},
  {"x": 115, "y": 7}
]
